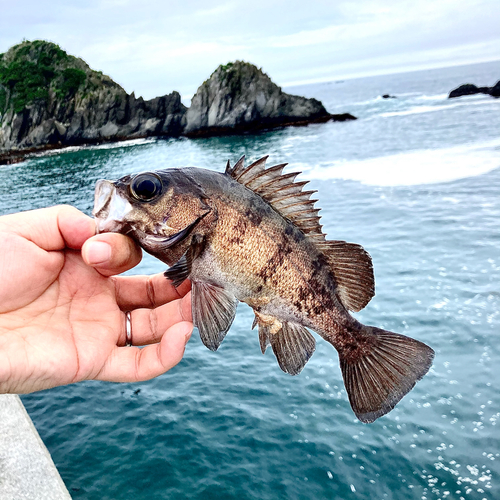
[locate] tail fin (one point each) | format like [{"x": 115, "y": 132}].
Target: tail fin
[{"x": 382, "y": 370}]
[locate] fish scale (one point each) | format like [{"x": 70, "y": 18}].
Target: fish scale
[{"x": 252, "y": 234}]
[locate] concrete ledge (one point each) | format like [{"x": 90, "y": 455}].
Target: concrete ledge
[{"x": 26, "y": 467}]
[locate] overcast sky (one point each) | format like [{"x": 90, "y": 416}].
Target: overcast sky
[{"x": 153, "y": 47}]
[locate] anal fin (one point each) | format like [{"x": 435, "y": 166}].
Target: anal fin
[
  {"x": 292, "y": 344},
  {"x": 381, "y": 370},
  {"x": 213, "y": 312}
]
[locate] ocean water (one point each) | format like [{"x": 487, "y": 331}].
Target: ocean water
[{"x": 416, "y": 181}]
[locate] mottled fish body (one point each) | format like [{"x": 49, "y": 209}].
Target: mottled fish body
[{"x": 252, "y": 234}]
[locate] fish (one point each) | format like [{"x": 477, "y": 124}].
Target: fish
[{"x": 252, "y": 234}]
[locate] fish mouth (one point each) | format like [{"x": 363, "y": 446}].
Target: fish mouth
[
  {"x": 110, "y": 209},
  {"x": 158, "y": 242}
]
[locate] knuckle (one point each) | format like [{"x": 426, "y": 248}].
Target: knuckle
[
  {"x": 150, "y": 290},
  {"x": 153, "y": 325}
]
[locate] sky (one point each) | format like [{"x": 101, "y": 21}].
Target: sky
[{"x": 153, "y": 47}]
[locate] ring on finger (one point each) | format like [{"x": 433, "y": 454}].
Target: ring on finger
[{"x": 128, "y": 329}]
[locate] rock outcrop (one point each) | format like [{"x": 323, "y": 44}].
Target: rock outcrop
[
  {"x": 469, "y": 89},
  {"x": 48, "y": 97},
  {"x": 239, "y": 97}
]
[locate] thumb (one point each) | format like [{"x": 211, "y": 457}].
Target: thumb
[{"x": 111, "y": 253}]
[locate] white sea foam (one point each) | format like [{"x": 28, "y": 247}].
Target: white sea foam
[
  {"x": 414, "y": 167},
  {"x": 435, "y": 97},
  {"x": 106, "y": 145},
  {"x": 475, "y": 101}
]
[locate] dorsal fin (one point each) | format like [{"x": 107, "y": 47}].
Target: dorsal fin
[
  {"x": 281, "y": 192},
  {"x": 350, "y": 264}
]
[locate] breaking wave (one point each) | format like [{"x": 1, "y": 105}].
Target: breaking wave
[
  {"x": 480, "y": 99},
  {"x": 428, "y": 166},
  {"x": 106, "y": 145}
]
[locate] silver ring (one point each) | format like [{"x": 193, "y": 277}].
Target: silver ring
[{"x": 128, "y": 326}]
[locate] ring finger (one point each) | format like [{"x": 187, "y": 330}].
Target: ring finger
[{"x": 147, "y": 326}]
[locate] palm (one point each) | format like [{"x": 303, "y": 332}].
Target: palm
[
  {"x": 75, "y": 322},
  {"x": 61, "y": 321}
]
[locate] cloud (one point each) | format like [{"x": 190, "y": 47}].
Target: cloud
[{"x": 154, "y": 47}]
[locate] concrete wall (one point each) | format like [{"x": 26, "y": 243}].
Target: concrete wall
[{"x": 26, "y": 468}]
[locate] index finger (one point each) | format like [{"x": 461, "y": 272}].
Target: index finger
[
  {"x": 53, "y": 228},
  {"x": 152, "y": 291}
]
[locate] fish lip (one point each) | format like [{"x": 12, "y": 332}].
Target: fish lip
[
  {"x": 110, "y": 208},
  {"x": 170, "y": 241},
  {"x": 102, "y": 194}
]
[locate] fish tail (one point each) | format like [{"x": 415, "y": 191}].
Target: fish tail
[{"x": 379, "y": 368}]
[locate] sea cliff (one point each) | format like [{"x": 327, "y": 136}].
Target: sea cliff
[
  {"x": 239, "y": 97},
  {"x": 50, "y": 99}
]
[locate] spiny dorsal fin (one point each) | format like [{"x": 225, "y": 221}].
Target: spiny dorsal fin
[
  {"x": 350, "y": 263},
  {"x": 282, "y": 192},
  {"x": 352, "y": 267}
]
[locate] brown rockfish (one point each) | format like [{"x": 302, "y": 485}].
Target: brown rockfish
[{"x": 252, "y": 234}]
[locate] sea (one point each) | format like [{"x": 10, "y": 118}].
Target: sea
[{"x": 416, "y": 181}]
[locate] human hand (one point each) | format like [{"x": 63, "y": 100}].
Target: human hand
[{"x": 62, "y": 310}]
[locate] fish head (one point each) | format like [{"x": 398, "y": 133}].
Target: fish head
[{"x": 161, "y": 210}]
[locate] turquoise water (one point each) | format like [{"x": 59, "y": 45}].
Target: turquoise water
[{"x": 416, "y": 181}]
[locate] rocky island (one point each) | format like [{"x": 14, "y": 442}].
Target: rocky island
[
  {"x": 50, "y": 99},
  {"x": 239, "y": 97},
  {"x": 470, "y": 89}
]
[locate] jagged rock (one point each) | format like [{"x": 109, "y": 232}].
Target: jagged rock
[
  {"x": 495, "y": 90},
  {"x": 48, "y": 97},
  {"x": 470, "y": 89},
  {"x": 239, "y": 97}
]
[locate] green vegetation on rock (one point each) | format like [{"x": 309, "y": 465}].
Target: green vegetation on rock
[
  {"x": 3, "y": 99},
  {"x": 49, "y": 98},
  {"x": 236, "y": 74},
  {"x": 31, "y": 71},
  {"x": 225, "y": 67},
  {"x": 72, "y": 78}
]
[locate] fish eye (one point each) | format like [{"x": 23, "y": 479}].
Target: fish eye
[{"x": 145, "y": 187}]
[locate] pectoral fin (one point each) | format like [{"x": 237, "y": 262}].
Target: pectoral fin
[
  {"x": 181, "y": 270},
  {"x": 213, "y": 312}
]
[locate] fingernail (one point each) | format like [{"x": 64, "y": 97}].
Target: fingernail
[{"x": 98, "y": 252}]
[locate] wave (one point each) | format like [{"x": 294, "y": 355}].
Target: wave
[
  {"x": 106, "y": 145},
  {"x": 482, "y": 101},
  {"x": 429, "y": 166},
  {"x": 435, "y": 97}
]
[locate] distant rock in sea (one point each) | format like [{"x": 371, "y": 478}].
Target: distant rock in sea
[
  {"x": 239, "y": 97},
  {"x": 388, "y": 96},
  {"x": 48, "y": 97},
  {"x": 470, "y": 89}
]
